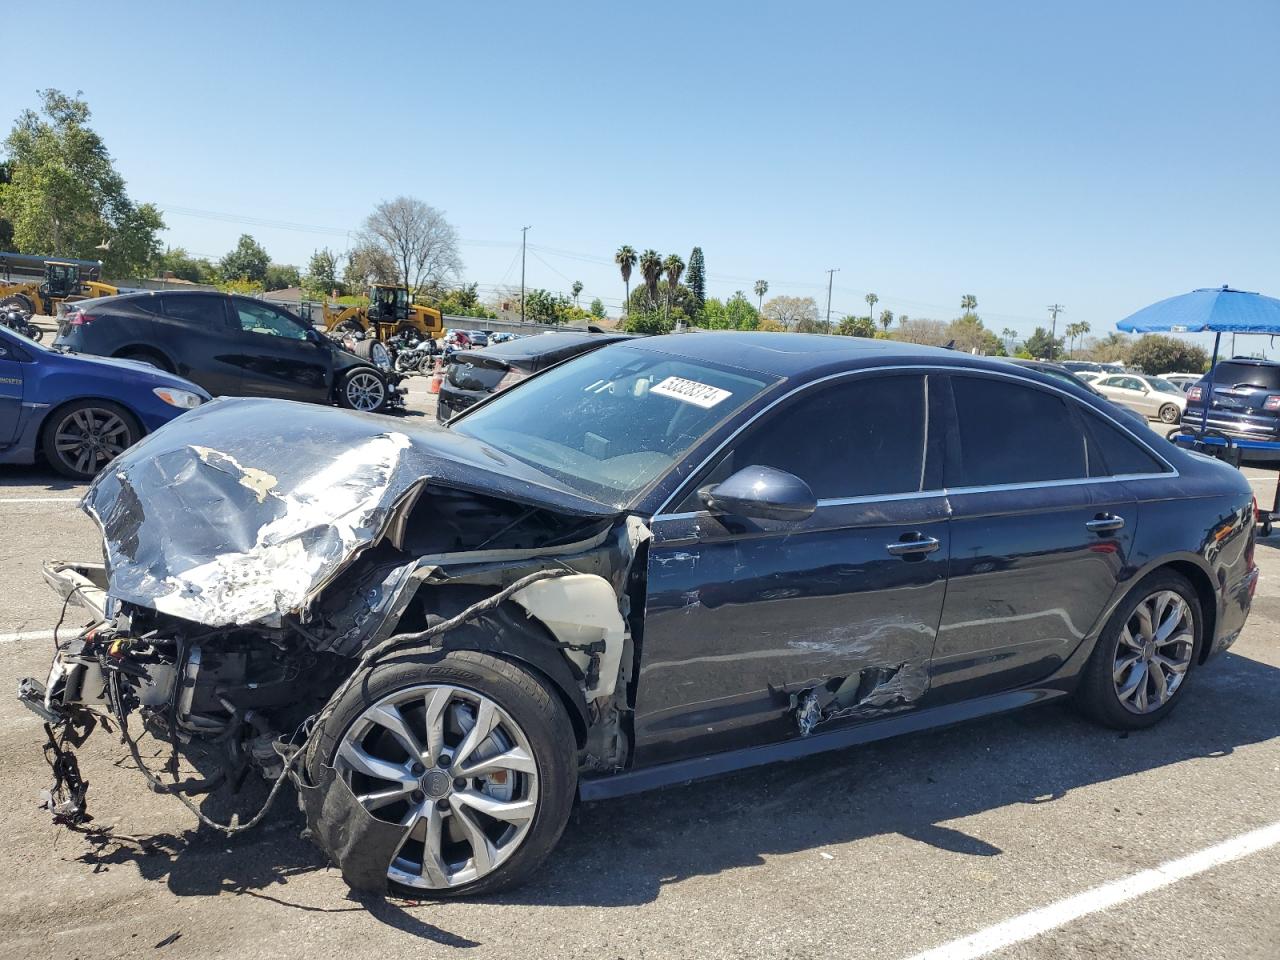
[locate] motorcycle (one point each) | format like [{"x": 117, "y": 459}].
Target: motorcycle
[
  {"x": 19, "y": 322},
  {"x": 415, "y": 356}
]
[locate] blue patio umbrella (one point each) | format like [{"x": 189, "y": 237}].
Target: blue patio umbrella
[{"x": 1215, "y": 310}]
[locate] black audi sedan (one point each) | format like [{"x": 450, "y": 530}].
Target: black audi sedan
[
  {"x": 472, "y": 376},
  {"x": 231, "y": 346},
  {"x": 666, "y": 559}
]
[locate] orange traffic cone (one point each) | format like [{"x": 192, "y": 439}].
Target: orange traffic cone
[{"x": 437, "y": 376}]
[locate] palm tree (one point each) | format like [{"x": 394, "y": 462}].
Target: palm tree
[
  {"x": 968, "y": 303},
  {"x": 651, "y": 270},
  {"x": 1009, "y": 335},
  {"x": 673, "y": 266},
  {"x": 762, "y": 287},
  {"x": 1082, "y": 330},
  {"x": 886, "y": 320},
  {"x": 625, "y": 258},
  {"x": 872, "y": 300},
  {"x": 577, "y": 289}
]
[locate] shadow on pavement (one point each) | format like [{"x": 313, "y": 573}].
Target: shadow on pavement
[{"x": 21, "y": 480}]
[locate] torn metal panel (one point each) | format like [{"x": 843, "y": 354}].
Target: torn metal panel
[
  {"x": 213, "y": 519},
  {"x": 866, "y": 693}
]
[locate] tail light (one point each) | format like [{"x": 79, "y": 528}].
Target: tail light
[
  {"x": 1271, "y": 403},
  {"x": 1195, "y": 393},
  {"x": 79, "y": 318},
  {"x": 514, "y": 376}
]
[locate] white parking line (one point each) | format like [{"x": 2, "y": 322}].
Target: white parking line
[
  {"x": 1055, "y": 915},
  {"x": 4, "y": 500},
  {"x": 33, "y": 635}
]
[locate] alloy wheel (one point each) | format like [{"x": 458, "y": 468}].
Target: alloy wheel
[
  {"x": 453, "y": 769},
  {"x": 90, "y": 437},
  {"x": 365, "y": 390},
  {"x": 1153, "y": 652},
  {"x": 1169, "y": 413}
]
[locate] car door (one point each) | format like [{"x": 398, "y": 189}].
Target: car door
[
  {"x": 278, "y": 356},
  {"x": 1039, "y": 536},
  {"x": 195, "y": 330},
  {"x": 755, "y": 629},
  {"x": 1126, "y": 390},
  {"x": 11, "y": 383}
]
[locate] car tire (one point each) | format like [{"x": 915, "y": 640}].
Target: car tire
[
  {"x": 527, "y": 716},
  {"x": 81, "y": 438},
  {"x": 1134, "y": 678},
  {"x": 1169, "y": 413},
  {"x": 364, "y": 389},
  {"x": 375, "y": 351},
  {"x": 20, "y": 302},
  {"x": 150, "y": 359}
]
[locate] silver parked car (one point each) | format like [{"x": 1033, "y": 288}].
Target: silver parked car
[{"x": 1153, "y": 397}]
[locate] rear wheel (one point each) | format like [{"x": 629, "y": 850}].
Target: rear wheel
[
  {"x": 470, "y": 754},
  {"x": 1139, "y": 668},
  {"x": 83, "y": 437},
  {"x": 1169, "y": 413},
  {"x": 363, "y": 389},
  {"x": 150, "y": 359},
  {"x": 20, "y": 302}
]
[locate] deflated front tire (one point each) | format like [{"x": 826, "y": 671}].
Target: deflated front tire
[{"x": 470, "y": 758}]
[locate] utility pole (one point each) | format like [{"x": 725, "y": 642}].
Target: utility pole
[
  {"x": 830, "y": 276},
  {"x": 1054, "y": 309},
  {"x": 524, "y": 232}
]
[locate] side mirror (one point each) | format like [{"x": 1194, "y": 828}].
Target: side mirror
[{"x": 761, "y": 493}]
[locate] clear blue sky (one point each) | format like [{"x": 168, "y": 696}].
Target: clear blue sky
[{"x": 1101, "y": 155}]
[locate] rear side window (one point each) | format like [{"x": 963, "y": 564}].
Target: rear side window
[
  {"x": 1113, "y": 452},
  {"x": 1010, "y": 433},
  {"x": 865, "y": 437},
  {"x": 1266, "y": 376},
  {"x": 197, "y": 309}
]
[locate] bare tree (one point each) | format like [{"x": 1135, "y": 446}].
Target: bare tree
[
  {"x": 420, "y": 241},
  {"x": 788, "y": 312}
]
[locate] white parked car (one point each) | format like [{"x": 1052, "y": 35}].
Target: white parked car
[
  {"x": 1153, "y": 397},
  {"x": 1183, "y": 381}
]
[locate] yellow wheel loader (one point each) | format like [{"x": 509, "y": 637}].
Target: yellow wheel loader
[
  {"x": 62, "y": 283},
  {"x": 390, "y": 311}
]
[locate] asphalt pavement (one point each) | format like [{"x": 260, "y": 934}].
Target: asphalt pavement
[{"x": 1139, "y": 845}]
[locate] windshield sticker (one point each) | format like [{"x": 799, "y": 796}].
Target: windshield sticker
[{"x": 690, "y": 391}]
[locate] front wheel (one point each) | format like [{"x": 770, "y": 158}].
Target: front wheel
[
  {"x": 471, "y": 755},
  {"x": 1169, "y": 413},
  {"x": 363, "y": 389},
  {"x": 1141, "y": 662},
  {"x": 83, "y": 437}
]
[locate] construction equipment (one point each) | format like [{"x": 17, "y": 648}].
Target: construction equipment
[
  {"x": 390, "y": 312},
  {"x": 37, "y": 285}
]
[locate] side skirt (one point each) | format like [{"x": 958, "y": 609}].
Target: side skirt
[{"x": 699, "y": 768}]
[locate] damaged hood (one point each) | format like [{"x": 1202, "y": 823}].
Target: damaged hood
[{"x": 243, "y": 510}]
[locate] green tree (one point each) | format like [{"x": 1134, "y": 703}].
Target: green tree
[
  {"x": 577, "y": 290},
  {"x": 246, "y": 261},
  {"x": 790, "y": 312},
  {"x": 761, "y": 288},
  {"x": 673, "y": 266},
  {"x": 1040, "y": 344},
  {"x": 1078, "y": 329},
  {"x": 886, "y": 320},
  {"x": 649, "y": 321},
  {"x": 542, "y": 306},
  {"x": 281, "y": 276},
  {"x": 1009, "y": 335},
  {"x": 968, "y": 303},
  {"x": 321, "y": 278},
  {"x": 626, "y": 259},
  {"x": 971, "y": 336},
  {"x": 597, "y": 308},
  {"x": 696, "y": 280},
  {"x": 1155, "y": 353},
  {"x": 1111, "y": 348},
  {"x": 367, "y": 263},
  {"x": 183, "y": 266},
  {"x": 872, "y": 300},
  {"x": 651, "y": 271},
  {"x": 852, "y": 326},
  {"x": 61, "y": 194}
]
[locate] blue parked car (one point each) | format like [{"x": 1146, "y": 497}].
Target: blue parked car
[{"x": 80, "y": 412}]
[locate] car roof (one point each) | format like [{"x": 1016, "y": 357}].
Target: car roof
[{"x": 550, "y": 342}]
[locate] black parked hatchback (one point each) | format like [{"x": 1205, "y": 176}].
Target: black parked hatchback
[
  {"x": 474, "y": 375},
  {"x": 230, "y": 345},
  {"x": 1245, "y": 400}
]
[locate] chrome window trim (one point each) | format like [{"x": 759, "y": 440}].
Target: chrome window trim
[{"x": 1171, "y": 472}]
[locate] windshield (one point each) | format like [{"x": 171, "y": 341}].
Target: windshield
[
  {"x": 609, "y": 423},
  {"x": 1264, "y": 375},
  {"x": 1164, "y": 386}
]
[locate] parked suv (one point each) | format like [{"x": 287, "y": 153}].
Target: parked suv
[
  {"x": 1245, "y": 400},
  {"x": 230, "y": 345}
]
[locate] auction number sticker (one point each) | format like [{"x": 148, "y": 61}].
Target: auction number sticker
[{"x": 690, "y": 391}]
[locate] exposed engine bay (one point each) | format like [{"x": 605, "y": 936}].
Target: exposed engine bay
[{"x": 242, "y": 594}]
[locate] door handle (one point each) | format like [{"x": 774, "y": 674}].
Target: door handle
[
  {"x": 1105, "y": 523},
  {"x": 910, "y": 548}
]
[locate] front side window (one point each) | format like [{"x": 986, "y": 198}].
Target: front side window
[
  {"x": 1011, "y": 433},
  {"x": 259, "y": 318},
  {"x": 864, "y": 437},
  {"x": 610, "y": 423}
]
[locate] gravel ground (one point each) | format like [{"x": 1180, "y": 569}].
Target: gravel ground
[{"x": 881, "y": 851}]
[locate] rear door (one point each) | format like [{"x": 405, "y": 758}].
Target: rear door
[
  {"x": 277, "y": 355},
  {"x": 196, "y": 332},
  {"x": 1040, "y": 535},
  {"x": 747, "y": 621}
]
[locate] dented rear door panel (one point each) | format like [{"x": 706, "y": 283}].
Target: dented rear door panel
[{"x": 743, "y": 618}]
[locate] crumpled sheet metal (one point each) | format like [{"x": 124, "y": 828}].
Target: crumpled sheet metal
[{"x": 243, "y": 510}]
